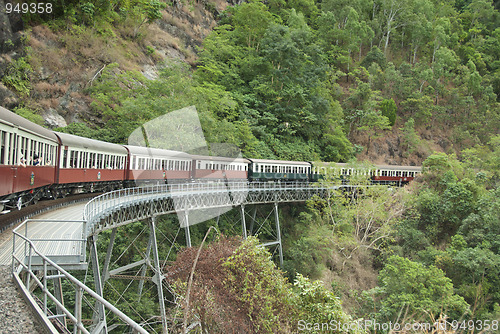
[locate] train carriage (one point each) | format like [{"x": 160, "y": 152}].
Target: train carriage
[
  {"x": 266, "y": 170},
  {"x": 36, "y": 162},
  {"x": 384, "y": 174},
  {"x": 396, "y": 174},
  {"x": 211, "y": 167},
  {"x": 153, "y": 165},
  {"x": 28, "y": 156},
  {"x": 89, "y": 165}
]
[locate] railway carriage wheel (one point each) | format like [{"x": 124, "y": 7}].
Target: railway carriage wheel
[{"x": 19, "y": 203}]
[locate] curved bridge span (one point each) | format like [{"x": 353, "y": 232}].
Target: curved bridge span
[
  {"x": 124, "y": 206},
  {"x": 192, "y": 202}
]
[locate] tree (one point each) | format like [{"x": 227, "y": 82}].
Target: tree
[
  {"x": 394, "y": 13},
  {"x": 410, "y": 287},
  {"x": 375, "y": 55}
]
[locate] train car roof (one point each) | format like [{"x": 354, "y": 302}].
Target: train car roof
[
  {"x": 215, "y": 158},
  {"x": 97, "y": 145},
  {"x": 390, "y": 167},
  {"x": 381, "y": 167},
  {"x": 281, "y": 162},
  {"x": 12, "y": 119},
  {"x": 157, "y": 152}
]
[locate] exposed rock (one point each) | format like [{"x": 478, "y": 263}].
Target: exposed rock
[
  {"x": 53, "y": 119},
  {"x": 8, "y": 99},
  {"x": 10, "y": 24},
  {"x": 444, "y": 143},
  {"x": 150, "y": 72}
]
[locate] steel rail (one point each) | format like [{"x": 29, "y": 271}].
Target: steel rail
[{"x": 71, "y": 278}]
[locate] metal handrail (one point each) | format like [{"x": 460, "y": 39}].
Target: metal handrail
[
  {"x": 79, "y": 285},
  {"x": 103, "y": 203}
]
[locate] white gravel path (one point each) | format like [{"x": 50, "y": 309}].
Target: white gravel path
[{"x": 15, "y": 314}]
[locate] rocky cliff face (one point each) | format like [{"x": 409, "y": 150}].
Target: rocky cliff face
[
  {"x": 64, "y": 63},
  {"x": 11, "y": 28}
]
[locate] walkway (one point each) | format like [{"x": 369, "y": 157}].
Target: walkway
[{"x": 47, "y": 230}]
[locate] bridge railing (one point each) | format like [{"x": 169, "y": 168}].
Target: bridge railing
[
  {"x": 20, "y": 265},
  {"x": 102, "y": 205}
]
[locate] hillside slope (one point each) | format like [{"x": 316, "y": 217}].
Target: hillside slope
[{"x": 311, "y": 93}]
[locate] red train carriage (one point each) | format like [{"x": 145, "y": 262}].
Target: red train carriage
[
  {"x": 378, "y": 173},
  {"x": 89, "y": 165},
  {"x": 396, "y": 174},
  {"x": 152, "y": 165},
  {"x": 210, "y": 168},
  {"x": 28, "y": 156}
]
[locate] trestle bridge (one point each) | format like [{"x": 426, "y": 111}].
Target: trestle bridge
[{"x": 45, "y": 249}]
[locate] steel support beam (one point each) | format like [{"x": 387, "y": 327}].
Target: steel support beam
[
  {"x": 78, "y": 309},
  {"x": 105, "y": 269},
  {"x": 144, "y": 266},
  {"x": 278, "y": 232},
  {"x": 58, "y": 293},
  {"x": 99, "y": 314},
  {"x": 243, "y": 222},
  {"x": 158, "y": 278},
  {"x": 186, "y": 228}
]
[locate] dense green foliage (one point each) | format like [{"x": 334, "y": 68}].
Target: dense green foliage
[
  {"x": 237, "y": 289},
  {"x": 308, "y": 80},
  {"x": 297, "y": 80}
]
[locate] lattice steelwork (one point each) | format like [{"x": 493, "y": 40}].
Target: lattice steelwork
[{"x": 128, "y": 205}]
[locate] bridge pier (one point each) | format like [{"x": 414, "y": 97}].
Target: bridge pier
[
  {"x": 99, "y": 314},
  {"x": 158, "y": 277},
  {"x": 243, "y": 222},
  {"x": 185, "y": 222},
  {"x": 277, "y": 228},
  {"x": 278, "y": 232},
  {"x": 105, "y": 269}
]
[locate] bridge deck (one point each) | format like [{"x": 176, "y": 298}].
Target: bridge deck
[{"x": 65, "y": 228}]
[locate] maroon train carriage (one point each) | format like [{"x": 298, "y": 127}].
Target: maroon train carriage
[
  {"x": 88, "y": 165},
  {"x": 211, "y": 168},
  {"x": 28, "y": 157},
  {"x": 396, "y": 174},
  {"x": 378, "y": 173},
  {"x": 155, "y": 166}
]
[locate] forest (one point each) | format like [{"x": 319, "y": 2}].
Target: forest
[{"x": 412, "y": 82}]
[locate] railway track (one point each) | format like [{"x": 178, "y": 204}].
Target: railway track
[{"x": 9, "y": 220}]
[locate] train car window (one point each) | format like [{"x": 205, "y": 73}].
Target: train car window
[
  {"x": 64, "y": 159},
  {"x": 78, "y": 161},
  {"x": 11, "y": 144},
  {"x": 177, "y": 165},
  {"x": 2, "y": 147},
  {"x": 82, "y": 160}
]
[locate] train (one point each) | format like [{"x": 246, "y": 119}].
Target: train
[{"x": 38, "y": 163}]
